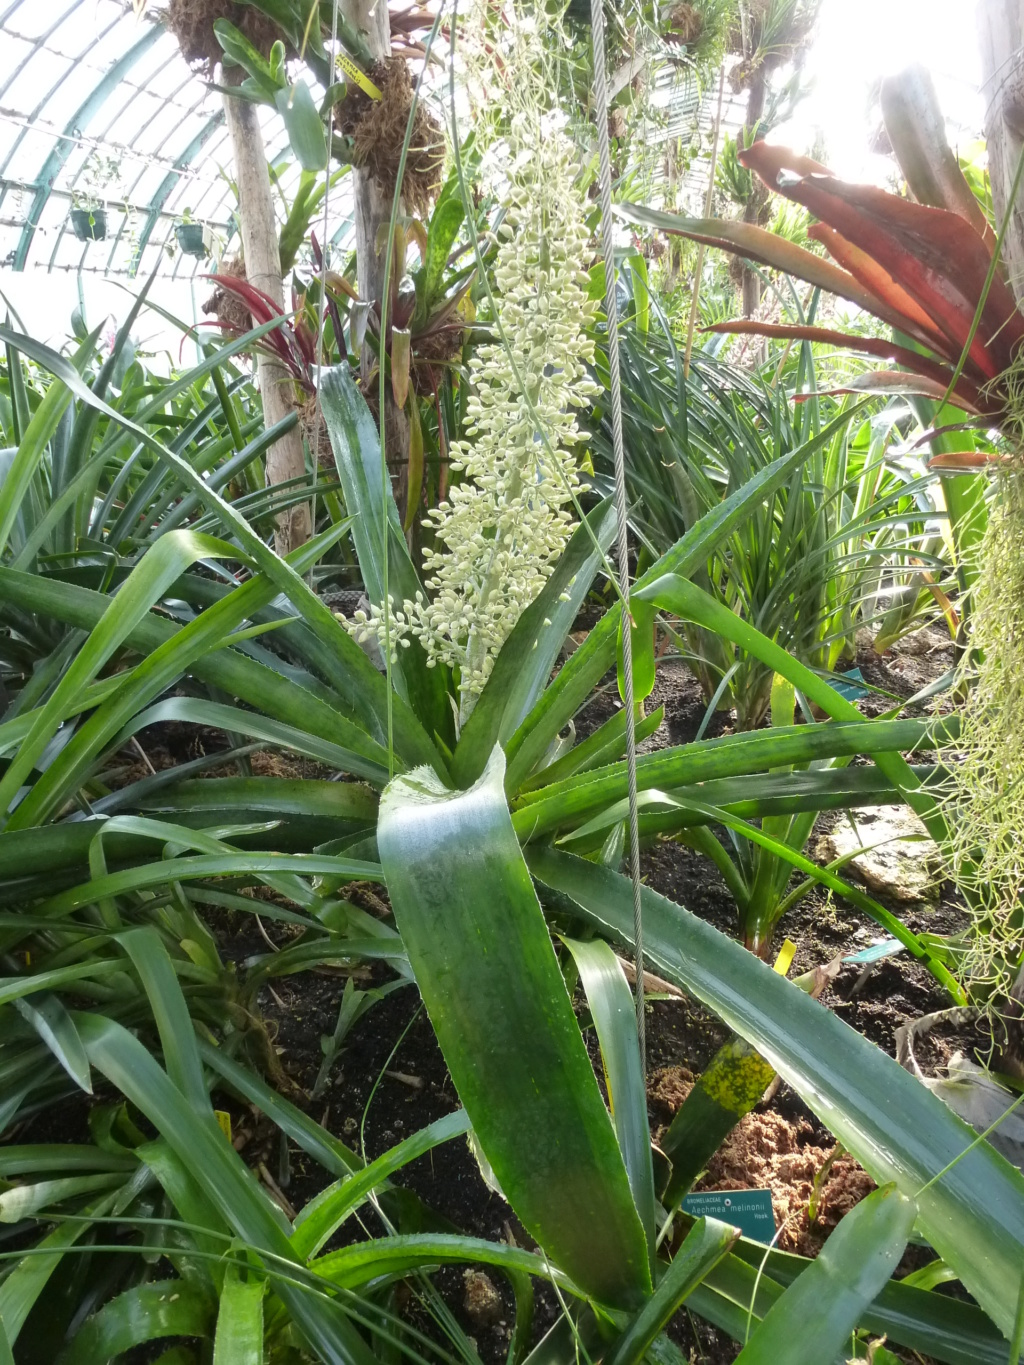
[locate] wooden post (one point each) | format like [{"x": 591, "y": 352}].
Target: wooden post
[
  {"x": 285, "y": 458},
  {"x": 1001, "y": 40},
  {"x": 756, "y": 95},
  {"x": 372, "y": 206},
  {"x": 373, "y": 214}
]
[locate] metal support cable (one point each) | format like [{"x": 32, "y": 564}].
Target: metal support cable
[{"x": 621, "y": 506}]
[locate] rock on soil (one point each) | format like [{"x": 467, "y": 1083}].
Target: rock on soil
[
  {"x": 482, "y": 1301},
  {"x": 901, "y": 862}
]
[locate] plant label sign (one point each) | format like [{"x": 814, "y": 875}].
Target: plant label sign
[{"x": 749, "y": 1210}]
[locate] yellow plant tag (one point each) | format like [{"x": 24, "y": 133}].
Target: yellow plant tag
[
  {"x": 785, "y": 958},
  {"x": 223, "y": 1122},
  {"x": 354, "y": 73}
]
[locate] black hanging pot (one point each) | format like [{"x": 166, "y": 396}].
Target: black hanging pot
[
  {"x": 192, "y": 239},
  {"x": 89, "y": 225}
]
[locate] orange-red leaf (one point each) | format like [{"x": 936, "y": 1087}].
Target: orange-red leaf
[
  {"x": 967, "y": 394},
  {"x": 767, "y": 248},
  {"x": 935, "y": 255}
]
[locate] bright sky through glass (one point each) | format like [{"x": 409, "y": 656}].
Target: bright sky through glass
[{"x": 860, "y": 41}]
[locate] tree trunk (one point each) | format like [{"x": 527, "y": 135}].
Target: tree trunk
[
  {"x": 372, "y": 206},
  {"x": 372, "y": 215},
  {"x": 751, "y": 210},
  {"x": 1001, "y": 39},
  {"x": 285, "y": 458}
]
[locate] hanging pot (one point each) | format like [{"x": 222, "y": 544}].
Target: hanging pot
[
  {"x": 194, "y": 239},
  {"x": 89, "y": 225}
]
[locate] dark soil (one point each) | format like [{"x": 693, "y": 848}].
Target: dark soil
[{"x": 389, "y": 1078}]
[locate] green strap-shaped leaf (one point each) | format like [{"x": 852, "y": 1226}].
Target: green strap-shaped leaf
[
  {"x": 239, "y": 1339},
  {"x": 357, "y": 754},
  {"x": 592, "y": 660},
  {"x": 685, "y": 599},
  {"x": 362, "y": 1262},
  {"x": 170, "y": 1012},
  {"x": 30, "y": 1276},
  {"x": 143, "y": 588},
  {"x": 641, "y": 648},
  {"x": 14, "y": 987},
  {"x": 704, "y": 1246},
  {"x": 224, "y": 1178},
  {"x": 611, "y": 1007},
  {"x": 302, "y": 121},
  {"x": 479, "y": 946},
  {"x": 55, "y": 1027},
  {"x": 933, "y": 1324},
  {"x": 813, "y": 1320},
  {"x": 604, "y": 746},
  {"x": 322, "y": 1216},
  {"x": 256, "y": 865},
  {"x": 32, "y": 447},
  {"x": 729, "y": 1087},
  {"x": 25, "y": 1201},
  {"x": 358, "y": 682},
  {"x": 164, "y": 1308},
  {"x": 746, "y": 797},
  {"x": 305, "y": 1132},
  {"x": 271, "y": 795},
  {"x": 309, "y": 606},
  {"x": 207, "y": 1228},
  {"x": 369, "y": 501},
  {"x": 63, "y": 1157},
  {"x": 973, "y": 1215},
  {"x": 569, "y": 802}
]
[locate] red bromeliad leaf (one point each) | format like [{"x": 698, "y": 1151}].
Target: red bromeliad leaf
[
  {"x": 886, "y": 383},
  {"x": 965, "y": 461},
  {"x": 966, "y": 393},
  {"x": 446, "y": 309},
  {"x": 886, "y": 290},
  {"x": 306, "y": 342},
  {"x": 767, "y": 248},
  {"x": 259, "y": 304},
  {"x": 936, "y": 256},
  {"x": 291, "y": 345}
]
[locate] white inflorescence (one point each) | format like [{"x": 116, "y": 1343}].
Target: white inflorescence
[{"x": 503, "y": 527}]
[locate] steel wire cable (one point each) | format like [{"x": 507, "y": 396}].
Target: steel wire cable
[{"x": 621, "y": 504}]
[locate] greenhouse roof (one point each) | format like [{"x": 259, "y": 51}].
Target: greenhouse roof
[
  {"x": 97, "y": 106},
  {"x": 93, "y": 98}
]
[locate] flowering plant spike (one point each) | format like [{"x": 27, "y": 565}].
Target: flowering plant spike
[{"x": 502, "y": 528}]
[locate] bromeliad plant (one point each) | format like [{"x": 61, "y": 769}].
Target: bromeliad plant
[
  {"x": 928, "y": 269},
  {"x": 503, "y": 527},
  {"x": 462, "y": 835},
  {"x": 423, "y": 344},
  {"x": 307, "y": 685}
]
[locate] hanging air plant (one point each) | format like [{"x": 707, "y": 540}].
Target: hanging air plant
[
  {"x": 376, "y": 128},
  {"x": 195, "y": 239},
  {"x": 985, "y": 809},
  {"x": 89, "y": 224}
]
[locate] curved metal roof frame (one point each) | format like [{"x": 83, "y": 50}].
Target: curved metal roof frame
[
  {"x": 84, "y": 85},
  {"x": 91, "y": 93}
]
